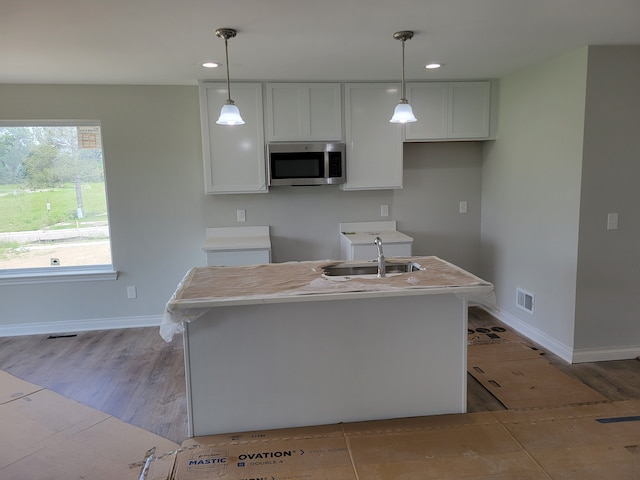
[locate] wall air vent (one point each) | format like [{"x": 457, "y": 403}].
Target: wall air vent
[{"x": 524, "y": 300}]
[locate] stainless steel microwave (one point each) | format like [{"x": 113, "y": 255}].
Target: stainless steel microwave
[{"x": 316, "y": 163}]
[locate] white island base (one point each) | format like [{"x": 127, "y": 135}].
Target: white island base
[{"x": 316, "y": 361}]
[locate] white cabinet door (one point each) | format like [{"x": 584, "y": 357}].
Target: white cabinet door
[
  {"x": 469, "y": 105},
  {"x": 374, "y": 145},
  {"x": 370, "y": 252},
  {"x": 449, "y": 111},
  {"x": 430, "y": 103},
  {"x": 304, "y": 111},
  {"x": 234, "y": 156}
]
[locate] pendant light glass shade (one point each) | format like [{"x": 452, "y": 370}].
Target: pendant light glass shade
[
  {"x": 403, "y": 112},
  {"x": 229, "y": 113}
]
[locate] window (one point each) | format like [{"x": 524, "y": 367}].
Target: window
[{"x": 53, "y": 201}]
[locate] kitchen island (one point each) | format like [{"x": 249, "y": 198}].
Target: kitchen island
[{"x": 283, "y": 345}]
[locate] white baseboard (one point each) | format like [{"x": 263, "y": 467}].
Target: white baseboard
[
  {"x": 565, "y": 352},
  {"x": 73, "y": 326},
  {"x": 584, "y": 355},
  {"x": 560, "y": 349}
]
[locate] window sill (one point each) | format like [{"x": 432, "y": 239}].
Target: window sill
[{"x": 57, "y": 274}]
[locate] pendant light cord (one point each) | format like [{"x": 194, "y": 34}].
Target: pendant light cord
[
  {"x": 226, "y": 51},
  {"x": 403, "y": 91}
]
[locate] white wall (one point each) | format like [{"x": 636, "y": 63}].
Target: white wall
[
  {"x": 151, "y": 143},
  {"x": 531, "y": 197},
  {"x": 159, "y": 213},
  {"x": 437, "y": 177},
  {"x": 608, "y": 282}
]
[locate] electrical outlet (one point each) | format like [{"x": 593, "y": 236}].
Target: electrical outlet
[
  {"x": 241, "y": 215},
  {"x": 384, "y": 210},
  {"x": 463, "y": 207},
  {"x": 612, "y": 221}
]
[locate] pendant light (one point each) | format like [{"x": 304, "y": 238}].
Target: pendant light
[
  {"x": 403, "y": 112},
  {"x": 229, "y": 113}
]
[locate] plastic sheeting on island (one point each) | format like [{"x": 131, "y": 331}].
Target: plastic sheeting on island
[{"x": 203, "y": 288}]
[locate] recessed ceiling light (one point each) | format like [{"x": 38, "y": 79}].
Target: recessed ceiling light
[
  {"x": 431, "y": 66},
  {"x": 210, "y": 64}
]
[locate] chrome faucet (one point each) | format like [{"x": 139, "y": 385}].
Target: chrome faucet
[{"x": 382, "y": 268}]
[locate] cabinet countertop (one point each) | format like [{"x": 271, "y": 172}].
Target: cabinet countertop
[{"x": 237, "y": 238}]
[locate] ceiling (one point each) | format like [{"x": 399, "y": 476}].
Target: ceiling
[{"x": 164, "y": 41}]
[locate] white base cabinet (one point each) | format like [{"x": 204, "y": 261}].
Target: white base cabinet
[
  {"x": 395, "y": 245},
  {"x": 234, "y": 246},
  {"x": 357, "y": 240},
  {"x": 374, "y": 145},
  {"x": 316, "y": 361},
  {"x": 234, "y": 156}
]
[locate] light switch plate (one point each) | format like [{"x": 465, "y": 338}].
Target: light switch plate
[
  {"x": 241, "y": 215},
  {"x": 384, "y": 210},
  {"x": 463, "y": 207}
]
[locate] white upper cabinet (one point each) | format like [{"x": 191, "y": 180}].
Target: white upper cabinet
[
  {"x": 374, "y": 145},
  {"x": 304, "y": 111},
  {"x": 430, "y": 103},
  {"x": 469, "y": 109},
  {"x": 234, "y": 156},
  {"x": 449, "y": 111}
]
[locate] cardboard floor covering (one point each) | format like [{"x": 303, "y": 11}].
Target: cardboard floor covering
[
  {"x": 580, "y": 442},
  {"x": 45, "y": 436},
  {"x": 518, "y": 374}
]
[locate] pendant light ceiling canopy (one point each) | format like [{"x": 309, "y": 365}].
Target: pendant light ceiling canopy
[
  {"x": 229, "y": 113},
  {"x": 403, "y": 112}
]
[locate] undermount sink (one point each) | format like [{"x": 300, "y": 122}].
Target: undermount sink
[{"x": 355, "y": 269}]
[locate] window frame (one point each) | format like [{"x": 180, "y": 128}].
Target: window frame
[{"x": 20, "y": 276}]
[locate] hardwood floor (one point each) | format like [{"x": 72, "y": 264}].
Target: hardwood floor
[
  {"x": 131, "y": 374},
  {"x": 135, "y": 376}
]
